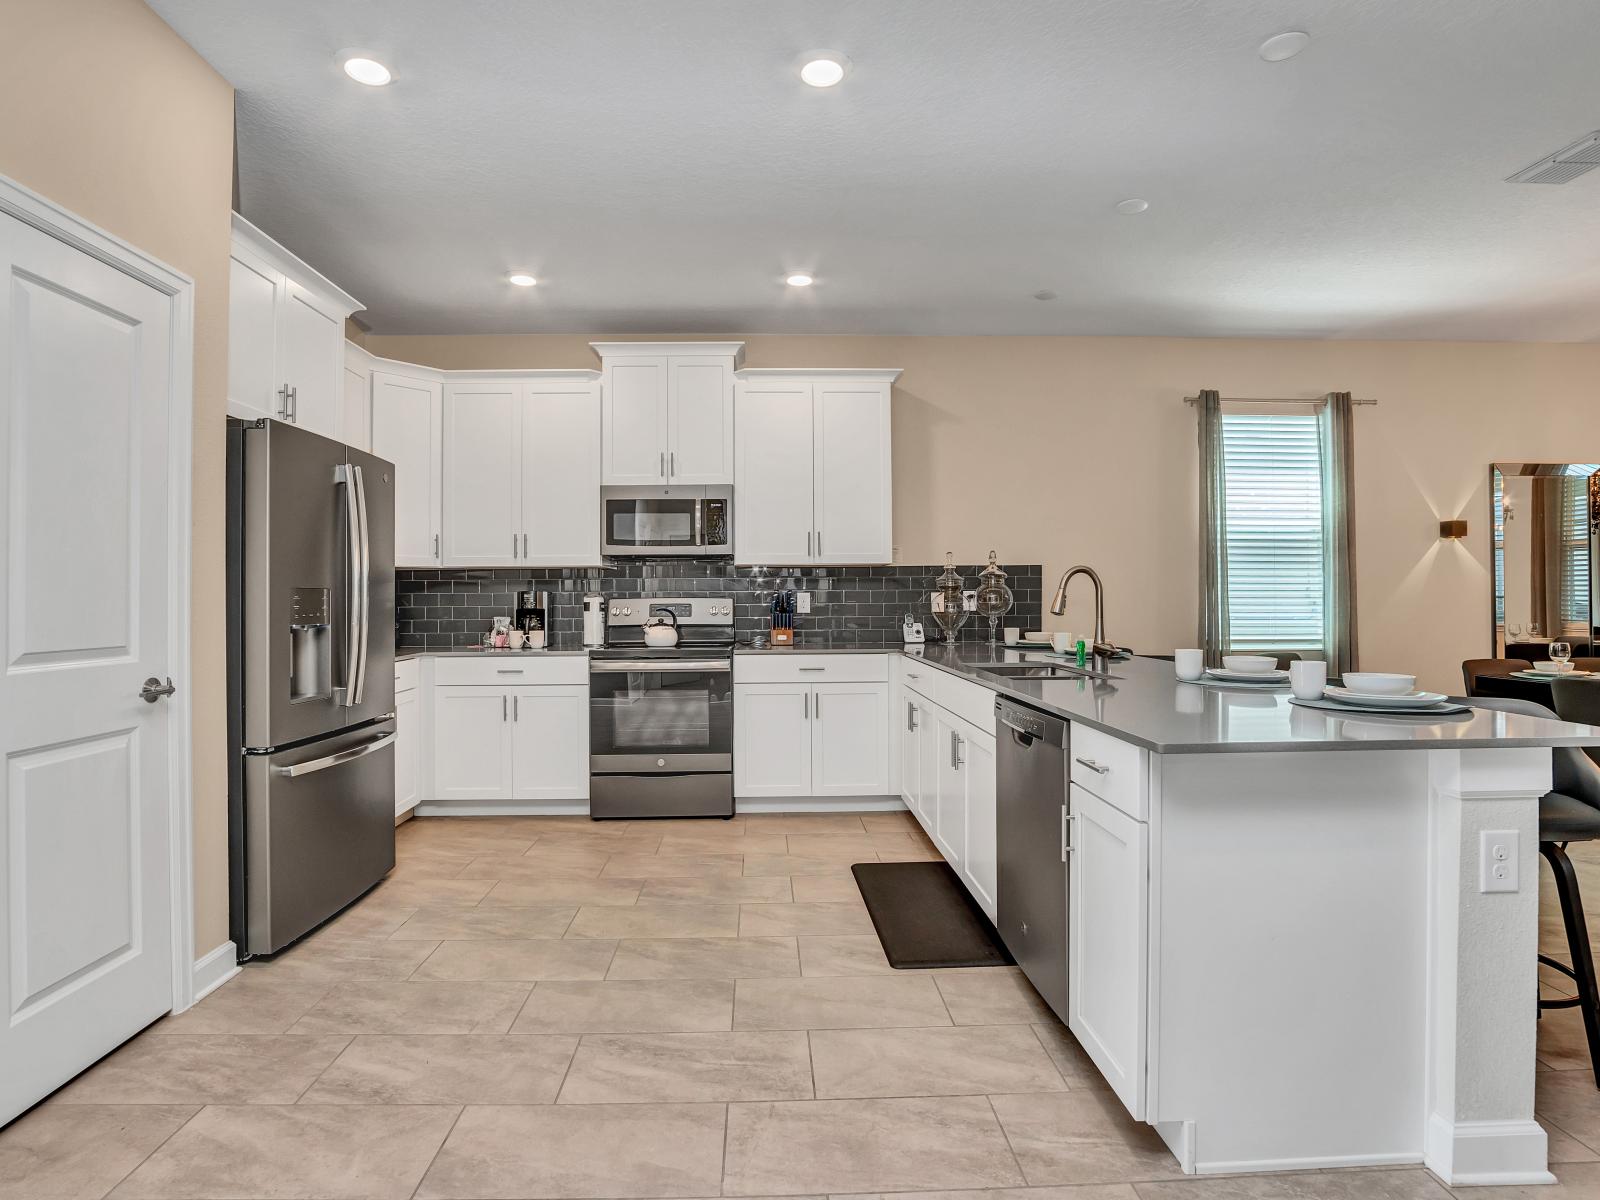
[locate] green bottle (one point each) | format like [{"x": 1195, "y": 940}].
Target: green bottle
[{"x": 1083, "y": 652}]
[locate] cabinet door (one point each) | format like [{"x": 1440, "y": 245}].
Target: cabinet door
[
  {"x": 471, "y": 743},
  {"x": 849, "y": 739},
  {"x": 980, "y": 862},
  {"x": 928, "y": 742},
  {"x": 773, "y": 473},
  {"x": 407, "y": 750},
  {"x": 482, "y": 479},
  {"x": 951, "y": 828},
  {"x": 634, "y": 405},
  {"x": 909, "y": 717},
  {"x": 312, "y": 361},
  {"x": 1108, "y": 942},
  {"x": 772, "y": 739},
  {"x": 254, "y": 292},
  {"x": 561, "y": 474},
  {"x": 355, "y": 423},
  {"x": 853, "y": 482},
  {"x": 550, "y": 743},
  {"x": 406, "y": 425},
  {"x": 700, "y": 419}
]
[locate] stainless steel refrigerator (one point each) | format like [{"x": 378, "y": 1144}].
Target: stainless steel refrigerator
[{"x": 310, "y": 679}]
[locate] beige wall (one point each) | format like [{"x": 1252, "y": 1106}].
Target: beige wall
[
  {"x": 109, "y": 114},
  {"x": 1064, "y": 450}
]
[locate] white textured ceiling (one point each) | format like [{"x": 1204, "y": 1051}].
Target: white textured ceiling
[{"x": 660, "y": 167}]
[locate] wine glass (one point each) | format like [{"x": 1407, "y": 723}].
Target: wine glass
[
  {"x": 1533, "y": 631},
  {"x": 1560, "y": 651},
  {"x": 1515, "y": 630}
]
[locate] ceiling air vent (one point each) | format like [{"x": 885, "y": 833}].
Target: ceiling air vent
[{"x": 1563, "y": 166}]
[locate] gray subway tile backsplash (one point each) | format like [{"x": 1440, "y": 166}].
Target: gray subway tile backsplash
[{"x": 441, "y": 609}]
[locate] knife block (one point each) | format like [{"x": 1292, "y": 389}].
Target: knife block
[{"x": 782, "y": 637}]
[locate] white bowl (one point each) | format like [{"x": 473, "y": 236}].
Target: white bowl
[
  {"x": 1551, "y": 667},
  {"x": 1036, "y": 635},
  {"x": 1379, "y": 683},
  {"x": 1253, "y": 663}
]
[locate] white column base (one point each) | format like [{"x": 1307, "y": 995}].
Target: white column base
[
  {"x": 215, "y": 968},
  {"x": 1486, "y": 1152}
]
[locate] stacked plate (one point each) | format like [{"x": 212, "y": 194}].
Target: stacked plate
[
  {"x": 1371, "y": 692},
  {"x": 1248, "y": 670}
]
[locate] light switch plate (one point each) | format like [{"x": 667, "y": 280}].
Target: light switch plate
[{"x": 1497, "y": 860}]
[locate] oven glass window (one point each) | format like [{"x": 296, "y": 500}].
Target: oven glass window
[
  {"x": 661, "y": 712},
  {"x": 650, "y": 522}
]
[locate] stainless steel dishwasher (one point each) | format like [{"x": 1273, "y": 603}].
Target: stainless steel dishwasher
[{"x": 1032, "y": 793}]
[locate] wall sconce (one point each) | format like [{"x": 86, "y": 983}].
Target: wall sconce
[{"x": 1452, "y": 529}]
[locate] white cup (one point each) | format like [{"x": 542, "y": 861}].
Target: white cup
[
  {"x": 1013, "y": 635},
  {"x": 1190, "y": 664},
  {"x": 1063, "y": 643},
  {"x": 1307, "y": 678},
  {"x": 515, "y": 639}
]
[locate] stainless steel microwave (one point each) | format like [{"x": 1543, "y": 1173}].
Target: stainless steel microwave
[{"x": 650, "y": 522}]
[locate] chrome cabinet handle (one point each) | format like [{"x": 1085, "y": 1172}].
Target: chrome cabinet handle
[
  {"x": 819, "y": 543},
  {"x": 911, "y": 717},
  {"x": 502, "y": 706},
  {"x": 808, "y": 543},
  {"x": 672, "y": 463},
  {"x": 1092, "y": 765},
  {"x": 334, "y": 760},
  {"x": 513, "y": 545},
  {"x": 283, "y": 403},
  {"x": 516, "y": 708},
  {"x": 508, "y": 670},
  {"x": 805, "y": 698},
  {"x": 816, "y": 706},
  {"x": 294, "y": 405},
  {"x": 154, "y": 689},
  {"x": 1066, "y": 833},
  {"x": 524, "y": 544},
  {"x": 813, "y": 668},
  {"x": 436, "y": 545},
  {"x": 662, "y": 470},
  {"x": 956, "y": 761}
]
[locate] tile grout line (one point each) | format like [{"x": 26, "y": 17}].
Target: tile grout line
[
  {"x": 454, "y": 1121},
  {"x": 305, "y": 1091},
  {"x": 1010, "y": 1149},
  {"x": 154, "y": 1150}
]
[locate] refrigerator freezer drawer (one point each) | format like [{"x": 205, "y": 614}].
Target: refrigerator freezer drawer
[{"x": 318, "y": 832}]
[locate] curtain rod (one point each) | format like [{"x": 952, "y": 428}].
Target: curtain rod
[{"x": 1285, "y": 400}]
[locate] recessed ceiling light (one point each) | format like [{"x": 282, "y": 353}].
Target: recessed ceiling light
[
  {"x": 366, "y": 70},
  {"x": 521, "y": 280},
  {"x": 799, "y": 280},
  {"x": 823, "y": 68},
  {"x": 1132, "y": 207},
  {"x": 1047, "y": 294},
  {"x": 1284, "y": 45}
]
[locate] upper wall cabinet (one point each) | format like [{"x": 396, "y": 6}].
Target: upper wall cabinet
[
  {"x": 406, "y": 424},
  {"x": 357, "y": 417},
  {"x": 668, "y": 411},
  {"x": 286, "y": 351},
  {"x": 812, "y": 467},
  {"x": 522, "y": 470}
]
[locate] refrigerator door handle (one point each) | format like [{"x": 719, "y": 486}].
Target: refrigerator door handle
[
  {"x": 339, "y": 759},
  {"x": 344, "y": 475},
  {"x": 364, "y": 586}
]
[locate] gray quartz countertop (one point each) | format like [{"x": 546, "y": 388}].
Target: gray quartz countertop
[{"x": 1144, "y": 702}]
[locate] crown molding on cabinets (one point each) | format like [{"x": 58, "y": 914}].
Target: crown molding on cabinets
[
  {"x": 290, "y": 264},
  {"x": 877, "y": 374},
  {"x": 435, "y": 375},
  {"x": 650, "y": 349}
]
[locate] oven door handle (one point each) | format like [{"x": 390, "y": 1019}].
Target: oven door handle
[{"x": 665, "y": 666}]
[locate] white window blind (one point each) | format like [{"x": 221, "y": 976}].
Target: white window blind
[
  {"x": 1575, "y": 551},
  {"x": 1272, "y": 474}
]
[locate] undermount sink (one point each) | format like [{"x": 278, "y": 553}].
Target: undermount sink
[{"x": 1038, "y": 670}]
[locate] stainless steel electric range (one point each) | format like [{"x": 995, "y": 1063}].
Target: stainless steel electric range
[{"x": 661, "y": 720}]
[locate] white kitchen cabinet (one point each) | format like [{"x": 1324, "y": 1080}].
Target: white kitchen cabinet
[
  {"x": 1108, "y": 941},
  {"x": 407, "y": 424},
  {"x": 949, "y": 830},
  {"x": 285, "y": 336},
  {"x": 812, "y": 466},
  {"x": 471, "y": 743},
  {"x": 549, "y": 743},
  {"x": 668, "y": 412},
  {"x": 522, "y": 471},
  {"x": 849, "y": 749},
  {"x": 772, "y": 736},
  {"x": 913, "y": 712},
  {"x": 980, "y": 860},
  {"x": 356, "y": 421},
  {"x": 482, "y": 483},
  {"x": 407, "y": 750}
]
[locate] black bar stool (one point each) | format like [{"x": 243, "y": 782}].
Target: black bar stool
[{"x": 1569, "y": 812}]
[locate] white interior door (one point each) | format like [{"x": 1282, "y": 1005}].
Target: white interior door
[
  {"x": 561, "y": 475},
  {"x": 482, "y": 483},
  {"x": 86, "y": 955},
  {"x": 772, "y": 473},
  {"x": 406, "y": 428}
]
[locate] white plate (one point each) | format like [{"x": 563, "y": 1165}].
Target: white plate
[
  {"x": 1247, "y": 676},
  {"x": 1379, "y": 700}
]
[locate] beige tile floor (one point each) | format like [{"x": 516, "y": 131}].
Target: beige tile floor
[{"x": 554, "y": 1008}]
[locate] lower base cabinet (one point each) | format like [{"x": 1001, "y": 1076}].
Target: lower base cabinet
[
  {"x": 407, "y": 750},
  {"x": 496, "y": 743},
  {"x": 810, "y": 739},
  {"x": 1108, "y": 942},
  {"x": 550, "y": 743}
]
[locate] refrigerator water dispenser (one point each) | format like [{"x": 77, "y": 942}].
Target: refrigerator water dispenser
[{"x": 310, "y": 645}]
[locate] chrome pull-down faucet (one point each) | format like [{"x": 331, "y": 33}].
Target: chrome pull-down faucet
[{"x": 1059, "y": 605}]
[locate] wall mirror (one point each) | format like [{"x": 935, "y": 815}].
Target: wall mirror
[{"x": 1545, "y": 518}]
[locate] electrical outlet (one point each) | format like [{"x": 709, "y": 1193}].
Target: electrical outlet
[
  {"x": 802, "y": 602},
  {"x": 1497, "y": 860}
]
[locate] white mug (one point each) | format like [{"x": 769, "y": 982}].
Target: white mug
[
  {"x": 1307, "y": 678},
  {"x": 1013, "y": 635},
  {"x": 1190, "y": 664},
  {"x": 516, "y": 637},
  {"x": 1062, "y": 643}
]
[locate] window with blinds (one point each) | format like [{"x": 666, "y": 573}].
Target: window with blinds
[
  {"x": 1575, "y": 550},
  {"x": 1272, "y": 476}
]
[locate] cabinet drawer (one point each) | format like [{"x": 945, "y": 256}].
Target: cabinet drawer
[
  {"x": 405, "y": 675},
  {"x": 504, "y": 671},
  {"x": 1112, "y": 769},
  {"x": 919, "y": 677},
  {"x": 972, "y": 702},
  {"x": 784, "y": 667}
]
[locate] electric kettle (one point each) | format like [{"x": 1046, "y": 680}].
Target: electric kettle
[{"x": 594, "y": 619}]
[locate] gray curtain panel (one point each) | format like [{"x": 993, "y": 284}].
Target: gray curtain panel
[
  {"x": 1213, "y": 532},
  {"x": 1337, "y": 430}
]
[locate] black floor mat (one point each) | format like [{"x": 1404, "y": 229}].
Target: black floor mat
[{"x": 926, "y": 918}]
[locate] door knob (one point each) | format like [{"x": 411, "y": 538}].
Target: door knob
[{"x": 154, "y": 689}]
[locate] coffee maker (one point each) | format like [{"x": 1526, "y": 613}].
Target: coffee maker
[{"x": 533, "y": 611}]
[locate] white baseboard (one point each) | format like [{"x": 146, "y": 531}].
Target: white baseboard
[
  {"x": 1179, "y": 1137},
  {"x": 1329, "y": 1162},
  {"x": 1468, "y": 1153},
  {"x": 580, "y": 808},
  {"x": 817, "y": 804},
  {"x": 215, "y": 968}
]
